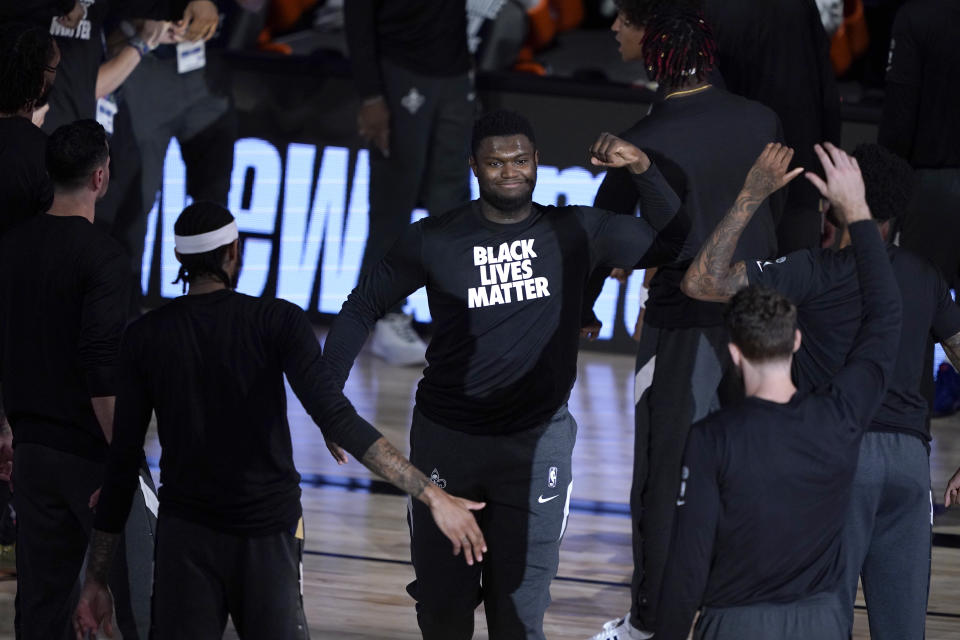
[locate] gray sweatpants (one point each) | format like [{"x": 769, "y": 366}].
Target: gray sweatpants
[
  {"x": 819, "y": 617},
  {"x": 525, "y": 480},
  {"x": 887, "y": 535}
]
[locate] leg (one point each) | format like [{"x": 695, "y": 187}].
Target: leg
[
  {"x": 691, "y": 364},
  {"x": 446, "y": 590},
  {"x": 526, "y": 515},
  {"x": 189, "y": 590},
  {"x": 447, "y": 182},
  {"x": 132, "y": 577},
  {"x": 208, "y": 156},
  {"x": 896, "y": 572},
  {"x": 931, "y": 221},
  {"x": 51, "y": 541},
  {"x": 860, "y": 525},
  {"x": 263, "y": 607}
]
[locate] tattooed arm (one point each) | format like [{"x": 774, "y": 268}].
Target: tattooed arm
[
  {"x": 951, "y": 346},
  {"x": 711, "y": 277},
  {"x": 95, "y": 607},
  {"x": 451, "y": 514}
]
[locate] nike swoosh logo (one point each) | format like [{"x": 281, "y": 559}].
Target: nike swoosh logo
[{"x": 541, "y": 499}]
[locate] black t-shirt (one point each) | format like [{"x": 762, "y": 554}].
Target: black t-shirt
[
  {"x": 25, "y": 187},
  {"x": 777, "y": 52},
  {"x": 428, "y": 37},
  {"x": 64, "y": 288},
  {"x": 506, "y": 302},
  {"x": 824, "y": 286},
  {"x": 923, "y": 85},
  {"x": 212, "y": 368},
  {"x": 765, "y": 486},
  {"x": 704, "y": 143}
]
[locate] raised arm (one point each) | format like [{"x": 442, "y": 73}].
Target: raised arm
[
  {"x": 711, "y": 277},
  {"x": 862, "y": 382}
]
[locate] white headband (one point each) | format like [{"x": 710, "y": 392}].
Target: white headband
[{"x": 208, "y": 241}]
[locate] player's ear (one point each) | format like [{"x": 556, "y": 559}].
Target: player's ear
[
  {"x": 796, "y": 340},
  {"x": 735, "y": 354},
  {"x": 473, "y": 164}
]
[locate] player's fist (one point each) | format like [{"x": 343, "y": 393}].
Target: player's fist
[{"x": 612, "y": 152}]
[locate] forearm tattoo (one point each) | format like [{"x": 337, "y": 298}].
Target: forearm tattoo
[
  {"x": 711, "y": 276},
  {"x": 383, "y": 459},
  {"x": 100, "y": 557},
  {"x": 951, "y": 346}
]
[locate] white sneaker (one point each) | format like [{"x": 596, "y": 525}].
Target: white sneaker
[
  {"x": 621, "y": 629},
  {"x": 395, "y": 341}
]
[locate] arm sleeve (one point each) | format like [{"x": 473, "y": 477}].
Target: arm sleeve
[
  {"x": 901, "y": 103},
  {"x": 103, "y": 316},
  {"x": 400, "y": 273},
  {"x": 360, "y": 23},
  {"x": 946, "y": 318},
  {"x": 131, "y": 419},
  {"x": 694, "y": 531},
  {"x": 829, "y": 89},
  {"x": 862, "y": 382},
  {"x": 302, "y": 362},
  {"x": 793, "y": 275}
]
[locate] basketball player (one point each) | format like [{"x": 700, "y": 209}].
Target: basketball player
[
  {"x": 62, "y": 293},
  {"x": 704, "y": 140},
  {"x": 230, "y": 533},
  {"x": 505, "y": 279},
  {"x": 888, "y": 528},
  {"x": 765, "y": 486}
]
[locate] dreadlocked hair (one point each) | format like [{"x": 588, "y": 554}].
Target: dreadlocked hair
[
  {"x": 678, "y": 47},
  {"x": 25, "y": 51},
  {"x": 202, "y": 217}
]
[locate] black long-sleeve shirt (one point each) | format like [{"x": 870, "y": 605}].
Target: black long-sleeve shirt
[
  {"x": 778, "y": 53},
  {"x": 765, "y": 485},
  {"x": 824, "y": 286},
  {"x": 428, "y": 37},
  {"x": 704, "y": 143},
  {"x": 25, "y": 187},
  {"x": 923, "y": 85},
  {"x": 64, "y": 287},
  {"x": 506, "y": 302},
  {"x": 212, "y": 368}
]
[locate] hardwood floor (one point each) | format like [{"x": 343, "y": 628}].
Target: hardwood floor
[{"x": 356, "y": 563}]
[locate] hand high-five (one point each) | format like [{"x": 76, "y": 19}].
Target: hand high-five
[
  {"x": 201, "y": 18},
  {"x": 769, "y": 173},
  {"x": 844, "y": 184},
  {"x": 612, "y": 152}
]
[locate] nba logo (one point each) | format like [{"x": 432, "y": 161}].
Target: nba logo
[{"x": 552, "y": 477}]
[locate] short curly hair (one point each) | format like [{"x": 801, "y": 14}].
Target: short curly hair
[
  {"x": 762, "y": 323},
  {"x": 501, "y": 122},
  {"x": 25, "y": 52},
  {"x": 888, "y": 180}
]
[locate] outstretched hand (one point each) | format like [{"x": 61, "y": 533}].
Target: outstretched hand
[
  {"x": 94, "y": 609},
  {"x": 201, "y": 18},
  {"x": 844, "y": 183},
  {"x": 952, "y": 494},
  {"x": 612, "y": 152},
  {"x": 454, "y": 518},
  {"x": 769, "y": 173}
]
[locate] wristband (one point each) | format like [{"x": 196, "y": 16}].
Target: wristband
[{"x": 137, "y": 43}]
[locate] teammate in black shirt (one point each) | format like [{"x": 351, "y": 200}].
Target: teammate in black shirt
[
  {"x": 505, "y": 279},
  {"x": 211, "y": 364},
  {"x": 765, "y": 486},
  {"x": 62, "y": 289},
  {"x": 28, "y": 65},
  {"x": 704, "y": 140},
  {"x": 887, "y": 529}
]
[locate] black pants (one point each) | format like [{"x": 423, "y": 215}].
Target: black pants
[
  {"x": 819, "y": 616},
  {"x": 692, "y": 377},
  {"x": 430, "y": 123},
  {"x": 202, "y": 575},
  {"x": 52, "y": 490},
  {"x": 526, "y": 481},
  {"x": 932, "y": 223}
]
